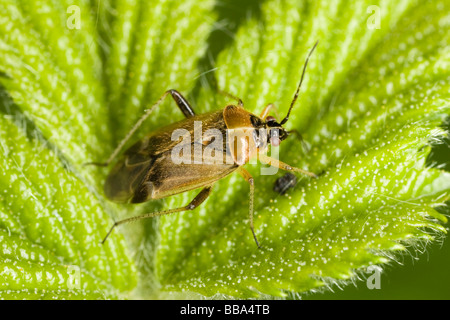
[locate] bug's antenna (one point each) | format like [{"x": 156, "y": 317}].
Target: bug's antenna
[{"x": 299, "y": 85}]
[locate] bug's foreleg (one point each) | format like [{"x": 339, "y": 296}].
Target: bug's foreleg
[
  {"x": 181, "y": 102},
  {"x": 281, "y": 165},
  {"x": 198, "y": 200},
  {"x": 267, "y": 110},
  {"x": 299, "y": 136},
  {"x": 246, "y": 175}
]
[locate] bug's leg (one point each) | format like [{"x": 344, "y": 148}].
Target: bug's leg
[
  {"x": 225, "y": 93},
  {"x": 182, "y": 103},
  {"x": 267, "y": 110},
  {"x": 246, "y": 175},
  {"x": 281, "y": 165},
  {"x": 229, "y": 95},
  {"x": 299, "y": 136},
  {"x": 198, "y": 200}
]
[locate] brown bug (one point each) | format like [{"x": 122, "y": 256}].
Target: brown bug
[{"x": 146, "y": 170}]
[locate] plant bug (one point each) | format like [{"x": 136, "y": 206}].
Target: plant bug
[
  {"x": 146, "y": 171},
  {"x": 282, "y": 184}
]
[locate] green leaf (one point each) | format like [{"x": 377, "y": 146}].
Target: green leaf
[
  {"x": 50, "y": 222},
  {"x": 370, "y": 109},
  {"x": 366, "y": 137}
]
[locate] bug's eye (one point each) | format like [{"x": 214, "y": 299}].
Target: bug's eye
[
  {"x": 270, "y": 119},
  {"x": 275, "y": 137}
]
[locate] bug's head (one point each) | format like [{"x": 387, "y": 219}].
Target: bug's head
[
  {"x": 270, "y": 131},
  {"x": 275, "y": 131}
]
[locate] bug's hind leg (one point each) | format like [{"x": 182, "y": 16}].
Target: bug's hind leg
[
  {"x": 182, "y": 104},
  {"x": 198, "y": 200}
]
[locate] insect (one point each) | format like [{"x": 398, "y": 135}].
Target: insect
[
  {"x": 146, "y": 171},
  {"x": 282, "y": 184}
]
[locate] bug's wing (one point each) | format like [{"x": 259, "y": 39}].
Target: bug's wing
[
  {"x": 166, "y": 179},
  {"x": 147, "y": 165},
  {"x": 166, "y": 138}
]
